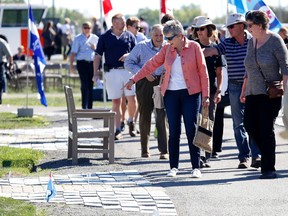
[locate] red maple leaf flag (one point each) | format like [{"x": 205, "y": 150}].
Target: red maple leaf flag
[
  {"x": 107, "y": 9},
  {"x": 165, "y": 7},
  {"x": 107, "y": 6}
]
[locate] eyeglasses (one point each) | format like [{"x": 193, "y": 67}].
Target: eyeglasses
[
  {"x": 200, "y": 29},
  {"x": 170, "y": 38},
  {"x": 86, "y": 27}
]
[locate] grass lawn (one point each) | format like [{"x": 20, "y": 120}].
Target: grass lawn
[
  {"x": 11, "y": 207},
  {"x": 18, "y": 161},
  {"x": 53, "y": 100},
  {"x": 11, "y": 121}
]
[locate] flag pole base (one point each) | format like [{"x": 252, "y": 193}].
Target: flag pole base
[{"x": 25, "y": 112}]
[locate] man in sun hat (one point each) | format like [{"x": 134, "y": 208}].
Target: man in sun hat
[{"x": 234, "y": 48}]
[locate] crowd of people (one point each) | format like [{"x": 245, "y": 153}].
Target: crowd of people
[{"x": 197, "y": 68}]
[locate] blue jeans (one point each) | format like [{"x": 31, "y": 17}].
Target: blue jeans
[
  {"x": 237, "y": 111},
  {"x": 180, "y": 104}
]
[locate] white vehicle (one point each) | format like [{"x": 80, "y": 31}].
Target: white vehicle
[{"x": 14, "y": 23}]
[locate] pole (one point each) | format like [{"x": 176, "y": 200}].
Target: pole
[
  {"x": 26, "y": 112},
  {"x": 102, "y": 70},
  {"x": 53, "y": 9},
  {"x": 27, "y": 58}
]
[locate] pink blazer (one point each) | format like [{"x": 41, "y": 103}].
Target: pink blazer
[{"x": 193, "y": 66}]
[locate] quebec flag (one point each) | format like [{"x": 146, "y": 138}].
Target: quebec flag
[
  {"x": 243, "y": 6},
  {"x": 39, "y": 58},
  {"x": 51, "y": 191}
]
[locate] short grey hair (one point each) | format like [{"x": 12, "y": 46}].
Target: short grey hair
[
  {"x": 156, "y": 26},
  {"x": 174, "y": 27}
]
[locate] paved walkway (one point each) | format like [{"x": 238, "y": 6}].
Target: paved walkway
[
  {"x": 140, "y": 185},
  {"x": 125, "y": 190}
]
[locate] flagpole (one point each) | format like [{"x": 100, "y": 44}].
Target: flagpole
[
  {"x": 101, "y": 16},
  {"x": 26, "y": 112},
  {"x": 102, "y": 70},
  {"x": 160, "y": 11},
  {"x": 27, "y": 58}
]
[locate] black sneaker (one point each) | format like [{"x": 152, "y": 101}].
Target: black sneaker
[
  {"x": 243, "y": 163},
  {"x": 256, "y": 162},
  {"x": 214, "y": 155},
  {"x": 132, "y": 130},
  {"x": 118, "y": 135},
  {"x": 268, "y": 175},
  {"x": 122, "y": 126}
]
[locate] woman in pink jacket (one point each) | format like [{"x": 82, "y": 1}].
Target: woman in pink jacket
[{"x": 184, "y": 87}]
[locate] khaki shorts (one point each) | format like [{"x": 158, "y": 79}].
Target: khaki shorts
[{"x": 115, "y": 80}]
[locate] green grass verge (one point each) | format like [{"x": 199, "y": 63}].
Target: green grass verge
[
  {"x": 11, "y": 121},
  {"x": 18, "y": 160},
  {"x": 52, "y": 101},
  {"x": 11, "y": 207}
]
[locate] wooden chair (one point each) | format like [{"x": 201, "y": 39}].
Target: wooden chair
[{"x": 75, "y": 133}]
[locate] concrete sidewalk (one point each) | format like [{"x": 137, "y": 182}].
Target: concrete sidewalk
[{"x": 222, "y": 190}]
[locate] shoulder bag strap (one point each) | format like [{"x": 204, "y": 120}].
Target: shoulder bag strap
[{"x": 259, "y": 68}]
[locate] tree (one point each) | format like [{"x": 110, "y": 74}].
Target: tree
[
  {"x": 186, "y": 14},
  {"x": 11, "y": 1},
  {"x": 150, "y": 16},
  {"x": 74, "y": 15}
]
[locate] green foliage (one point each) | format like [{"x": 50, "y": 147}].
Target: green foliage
[
  {"x": 186, "y": 14},
  {"x": 74, "y": 15},
  {"x": 11, "y": 207},
  {"x": 12, "y": 1},
  {"x": 150, "y": 16},
  {"x": 11, "y": 121}
]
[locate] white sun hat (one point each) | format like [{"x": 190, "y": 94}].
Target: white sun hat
[
  {"x": 204, "y": 21},
  {"x": 195, "y": 21},
  {"x": 235, "y": 18}
]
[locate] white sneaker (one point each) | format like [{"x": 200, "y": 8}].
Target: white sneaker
[
  {"x": 172, "y": 172},
  {"x": 196, "y": 173}
]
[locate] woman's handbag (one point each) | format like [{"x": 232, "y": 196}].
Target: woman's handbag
[
  {"x": 204, "y": 131},
  {"x": 274, "y": 88},
  {"x": 157, "y": 96}
]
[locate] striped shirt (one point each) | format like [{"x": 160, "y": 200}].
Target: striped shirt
[{"x": 235, "y": 54}]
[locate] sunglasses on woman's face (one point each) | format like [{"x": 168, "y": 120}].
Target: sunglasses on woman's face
[{"x": 200, "y": 29}]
